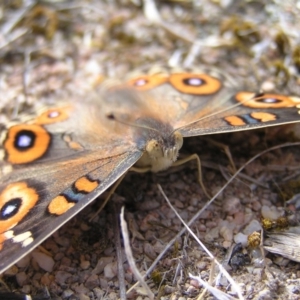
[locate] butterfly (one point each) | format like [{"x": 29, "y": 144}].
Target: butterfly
[{"x": 58, "y": 161}]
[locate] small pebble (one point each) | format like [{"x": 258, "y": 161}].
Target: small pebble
[
  {"x": 85, "y": 264},
  {"x": 178, "y": 204},
  {"x": 103, "y": 283},
  {"x": 226, "y": 233},
  {"x": 84, "y": 227},
  {"x": 66, "y": 261},
  {"x": 270, "y": 212},
  {"x": 81, "y": 289},
  {"x": 149, "y": 250},
  {"x": 92, "y": 282},
  {"x": 62, "y": 241},
  {"x": 12, "y": 271},
  {"x": 201, "y": 265},
  {"x": 256, "y": 205},
  {"x": 169, "y": 289},
  {"x": 21, "y": 278},
  {"x": 84, "y": 297},
  {"x": 61, "y": 277},
  {"x": 110, "y": 270},
  {"x": 44, "y": 261},
  {"x": 24, "y": 262},
  {"x": 268, "y": 86},
  {"x": 194, "y": 283},
  {"x": 98, "y": 293},
  {"x": 226, "y": 244},
  {"x": 102, "y": 262},
  {"x": 231, "y": 205},
  {"x": 46, "y": 279},
  {"x": 26, "y": 289},
  {"x": 113, "y": 296},
  {"x": 241, "y": 238},
  {"x": 212, "y": 234},
  {"x": 67, "y": 294},
  {"x": 239, "y": 218},
  {"x": 254, "y": 225}
]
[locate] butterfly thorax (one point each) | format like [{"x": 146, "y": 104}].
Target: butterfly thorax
[{"x": 161, "y": 144}]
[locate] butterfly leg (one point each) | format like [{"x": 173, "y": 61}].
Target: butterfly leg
[
  {"x": 110, "y": 193},
  {"x": 179, "y": 163},
  {"x": 226, "y": 149},
  {"x": 114, "y": 187},
  {"x": 197, "y": 158}
]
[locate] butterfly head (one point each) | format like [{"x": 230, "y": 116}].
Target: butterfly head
[
  {"x": 160, "y": 155},
  {"x": 161, "y": 144}
]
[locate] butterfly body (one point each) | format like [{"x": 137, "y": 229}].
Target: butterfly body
[{"x": 57, "y": 162}]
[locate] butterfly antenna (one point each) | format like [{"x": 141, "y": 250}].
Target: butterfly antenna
[
  {"x": 111, "y": 116},
  {"x": 220, "y": 111}
]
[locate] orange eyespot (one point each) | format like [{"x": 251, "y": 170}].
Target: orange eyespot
[
  {"x": 195, "y": 84},
  {"x": 265, "y": 100},
  {"x": 26, "y": 143},
  {"x": 53, "y": 115},
  {"x": 16, "y": 201},
  {"x": 147, "y": 82}
]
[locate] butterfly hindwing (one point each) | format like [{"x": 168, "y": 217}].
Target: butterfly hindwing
[{"x": 199, "y": 103}]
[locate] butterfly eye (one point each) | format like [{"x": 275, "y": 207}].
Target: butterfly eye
[
  {"x": 178, "y": 139},
  {"x": 144, "y": 83},
  {"x": 53, "y": 115},
  {"x": 26, "y": 143},
  {"x": 266, "y": 100},
  {"x": 196, "y": 84}
]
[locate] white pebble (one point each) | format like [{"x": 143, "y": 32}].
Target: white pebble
[
  {"x": 226, "y": 233},
  {"x": 254, "y": 225},
  {"x": 44, "y": 261},
  {"x": 110, "y": 270},
  {"x": 241, "y": 238},
  {"x": 231, "y": 205},
  {"x": 67, "y": 293},
  {"x": 270, "y": 212}
]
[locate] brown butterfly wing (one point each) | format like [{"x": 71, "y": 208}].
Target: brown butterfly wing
[
  {"x": 199, "y": 103},
  {"x": 54, "y": 165},
  {"x": 49, "y": 195}
]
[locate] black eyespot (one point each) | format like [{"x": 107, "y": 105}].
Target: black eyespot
[
  {"x": 10, "y": 208},
  {"x": 193, "y": 81},
  {"x": 24, "y": 140},
  {"x": 268, "y": 100}
]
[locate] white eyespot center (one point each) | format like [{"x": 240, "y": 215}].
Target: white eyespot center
[
  {"x": 8, "y": 210},
  {"x": 195, "y": 81},
  {"x": 269, "y": 100},
  {"x": 140, "y": 82},
  {"x": 24, "y": 141},
  {"x": 53, "y": 114}
]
